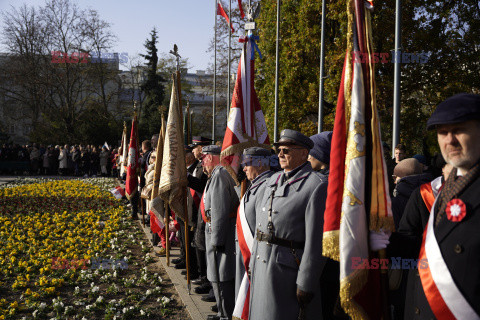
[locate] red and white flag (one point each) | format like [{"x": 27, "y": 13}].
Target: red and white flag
[
  {"x": 131, "y": 184},
  {"x": 358, "y": 198},
  {"x": 246, "y": 125},
  {"x": 118, "y": 192},
  {"x": 221, "y": 12},
  {"x": 123, "y": 151}
]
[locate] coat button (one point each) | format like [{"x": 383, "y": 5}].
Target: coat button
[
  {"x": 259, "y": 224},
  {"x": 458, "y": 249},
  {"x": 264, "y": 261},
  {"x": 263, "y": 209},
  {"x": 258, "y": 257},
  {"x": 417, "y": 311}
]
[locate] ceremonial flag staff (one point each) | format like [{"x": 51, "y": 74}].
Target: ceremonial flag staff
[
  {"x": 179, "y": 92},
  {"x": 396, "y": 81},
  {"x": 214, "y": 73},
  {"x": 322, "y": 71},
  {"x": 229, "y": 51},
  {"x": 277, "y": 58}
]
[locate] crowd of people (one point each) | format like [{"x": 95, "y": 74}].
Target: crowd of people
[
  {"x": 75, "y": 160},
  {"x": 260, "y": 255}
]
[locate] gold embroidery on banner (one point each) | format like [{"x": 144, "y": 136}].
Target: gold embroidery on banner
[{"x": 353, "y": 199}]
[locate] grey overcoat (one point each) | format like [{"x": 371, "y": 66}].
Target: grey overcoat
[
  {"x": 298, "y": 208},
  {"x": 253, "y": 195},
  {"x": 221, "y": 201}
]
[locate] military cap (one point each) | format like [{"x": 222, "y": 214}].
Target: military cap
[
  {"x": 212, "y": 149},
  {"x": 256, "y": 153},
  {"x": 189, "y": 148},
  {"x": 200, "y": 141},
  {"x": 459, "y": 108},
  {"x": 289, "y": 137}
]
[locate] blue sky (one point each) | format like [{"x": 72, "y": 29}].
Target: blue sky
[{"x": 188, "y": 23}]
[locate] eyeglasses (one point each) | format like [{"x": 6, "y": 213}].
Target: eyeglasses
[{"x": 285, "y": 150}]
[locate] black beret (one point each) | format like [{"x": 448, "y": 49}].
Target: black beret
[
  {"x": 289, "y": 137},
  {"x": 212, "y": 149},
  {"x": 459, "y": 108}
]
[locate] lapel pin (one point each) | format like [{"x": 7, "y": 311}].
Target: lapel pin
[{"x": 456, "y": 210}]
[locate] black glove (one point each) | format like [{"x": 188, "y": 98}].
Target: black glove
[
  {"x": 304, "y": 298},
  {"x": 219, "y": 248}
]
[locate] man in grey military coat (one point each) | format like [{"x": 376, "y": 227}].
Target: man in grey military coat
[
  {"x": 219, "y": 208},
  {"x": 287, "y": 261},
  {"x": 256, "y": 162}
]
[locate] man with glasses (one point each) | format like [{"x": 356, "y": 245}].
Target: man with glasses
[{"x": 287, "y": 261}]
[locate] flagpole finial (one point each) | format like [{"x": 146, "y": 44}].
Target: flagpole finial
[{"x": 177, "y": 56}]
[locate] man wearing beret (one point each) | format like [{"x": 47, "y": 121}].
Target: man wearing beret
[
  {"x": 287, "y": 261},
  {"x": 319, "y": 156},
  {"x": 446, "y": 241},
  {"x": 256, "y": 162},
  {"x": 218, "y": 208}
]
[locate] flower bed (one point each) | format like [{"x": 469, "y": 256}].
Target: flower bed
[{"x": 69, "y": 251}]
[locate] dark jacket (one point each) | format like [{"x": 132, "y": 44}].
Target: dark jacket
[
  {"x": 402, "y": 192},
  {"x": 459, "y": 244}
]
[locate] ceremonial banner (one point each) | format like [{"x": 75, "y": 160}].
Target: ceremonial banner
[
  {"x": 246, "y": 124},
  {"x": 173, "y": 178},
  {"x": 131, "y": 185},
  {"x": 221, "y": 12},
  {"x": 156, "y": 204},
  {"x": 358, "y": 178},
  {"x": 123, "y": 151}
]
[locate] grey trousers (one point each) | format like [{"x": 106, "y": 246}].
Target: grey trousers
[{"x": 228, "y": 294}]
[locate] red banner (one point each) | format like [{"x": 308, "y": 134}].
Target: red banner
[{"x": 132, "y": 165}]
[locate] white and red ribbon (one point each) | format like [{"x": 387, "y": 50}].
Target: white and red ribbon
[
  {"x": 443, "y": 295},
  {"x": 245, "y": 241}
]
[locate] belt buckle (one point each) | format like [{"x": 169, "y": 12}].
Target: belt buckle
[{"x": 270, "y": 237}]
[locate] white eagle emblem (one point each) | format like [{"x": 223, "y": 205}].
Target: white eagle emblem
[{"x": 131, "y": 157}]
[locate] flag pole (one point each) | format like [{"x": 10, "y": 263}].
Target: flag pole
[
  {"x": 187, "y": 240},
  {"x": 396, "y": 81},
  {"x": 277, "y": 58},
  {"x": 322, "y": 71},
  {"x": 214, "y": 74},
  {"x": 167, "y": 232},
  {"x": 179, "y": 95},
  {"x": 229, "y": 57}
]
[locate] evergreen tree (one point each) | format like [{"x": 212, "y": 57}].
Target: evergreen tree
[
  {"x": 150, "y": 117},
  {"x": 447, "y": 32}
]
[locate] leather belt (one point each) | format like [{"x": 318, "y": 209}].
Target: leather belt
[{"x": 270, "y": 238}]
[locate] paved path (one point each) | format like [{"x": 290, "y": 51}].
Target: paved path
[{"x": 196, "y": 308}]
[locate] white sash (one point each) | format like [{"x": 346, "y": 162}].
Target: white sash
[
  {"x": 450, "y": 294},
  {"x": 247, "y": 240}
]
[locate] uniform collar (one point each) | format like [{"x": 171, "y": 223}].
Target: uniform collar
[
  {"x": 258, "y": 178},
  {"x": 292, "y": 173}
]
